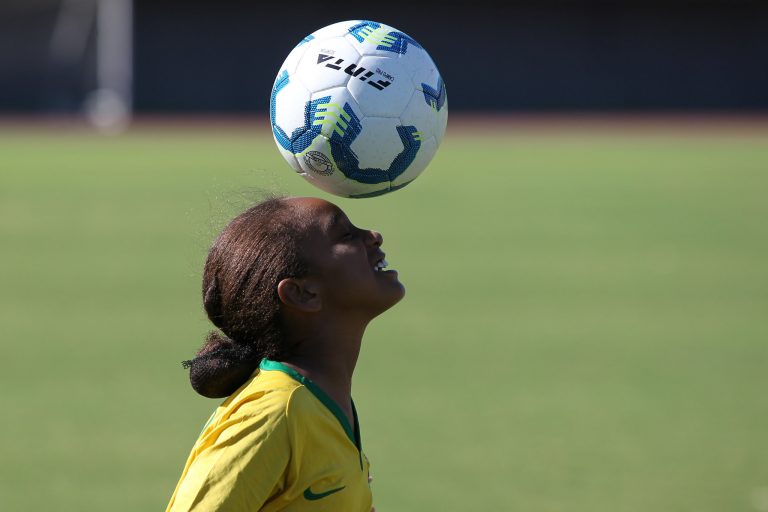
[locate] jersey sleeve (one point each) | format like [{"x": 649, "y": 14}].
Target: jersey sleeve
[{"x": 240, "y": 464}]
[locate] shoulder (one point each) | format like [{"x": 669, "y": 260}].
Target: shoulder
[
  {"x": 272, "y": 397},
  {"x": 256, "y": 412},
  {"x": 276, "y": 398},
  {"x": 249, "y": 439},
  {"x": 266, "y": 392}
]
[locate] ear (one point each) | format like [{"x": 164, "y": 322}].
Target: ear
[{"x": 299, "y": 294}]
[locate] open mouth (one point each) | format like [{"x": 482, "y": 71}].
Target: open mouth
[{"x": 380, "y": 265}]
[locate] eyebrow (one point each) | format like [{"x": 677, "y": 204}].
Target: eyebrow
[{"x": 335, "y": 220}]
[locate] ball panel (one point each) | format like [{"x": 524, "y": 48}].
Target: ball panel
[
  {"x": 378, "y": 143},
  {"x": 319, "y": 169},
  {"x": 293, "y": 59},
  {"x": 425, "y": 155},
  {"x": 335, "y": 108},
  {"x": 316, "y": 163},
  {"x": 417, "y": 113},
  {"x": 289, "y": 157},
  {"x": 359, "y": 191},
  {"x": 373, "y": 38},
  {"x": 350, "y": 164},
  {"x": 327, "y": 63},
  {"x": 417, "y": 62},
  {"x": 339, "y": 29},
  {"x": 432, "y": 88},
  {"x": 383, "y": 88},
  {"x": 284, "y": 115}
]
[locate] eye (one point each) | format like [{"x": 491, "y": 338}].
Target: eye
[{"x": 349, "y": 233}]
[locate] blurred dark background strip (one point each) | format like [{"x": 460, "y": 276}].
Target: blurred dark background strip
[{"x": 202, "y": 56}]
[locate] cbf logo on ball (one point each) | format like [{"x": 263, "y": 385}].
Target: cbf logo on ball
[{"x": 358, "y": 109}]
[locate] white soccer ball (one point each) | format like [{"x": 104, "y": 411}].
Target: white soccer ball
[{"x": 358, "y": 109}]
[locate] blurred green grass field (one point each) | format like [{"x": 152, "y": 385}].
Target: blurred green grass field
[{"x": 585, "y": 328}]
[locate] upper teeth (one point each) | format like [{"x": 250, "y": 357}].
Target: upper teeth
[{"x": 381, "y": 265}]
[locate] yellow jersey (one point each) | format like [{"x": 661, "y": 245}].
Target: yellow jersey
[{"x": 277, "y": 443}]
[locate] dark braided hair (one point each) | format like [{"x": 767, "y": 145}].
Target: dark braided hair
[{"x": 253, "y": 253}]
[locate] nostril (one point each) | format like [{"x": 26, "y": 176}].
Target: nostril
[{"x": 377, "y": 238}]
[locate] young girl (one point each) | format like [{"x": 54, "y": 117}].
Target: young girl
[{"x": 291, "y": 285}]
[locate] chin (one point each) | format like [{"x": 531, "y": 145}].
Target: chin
[{"x": 395, "y": 296}]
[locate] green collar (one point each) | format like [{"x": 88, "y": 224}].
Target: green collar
[{"x": 330, "y": 404}]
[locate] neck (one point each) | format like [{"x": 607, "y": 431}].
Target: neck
[{"x": 328, "y": 356}]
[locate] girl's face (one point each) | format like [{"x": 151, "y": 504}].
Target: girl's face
[{"x": 343, "y": 258}]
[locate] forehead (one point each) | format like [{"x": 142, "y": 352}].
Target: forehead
[{"x": 318, "y": 213}]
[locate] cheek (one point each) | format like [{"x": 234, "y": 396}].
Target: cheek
[
  {"x": 352, "y": 269},
  {"x": 350, "y": 256}
]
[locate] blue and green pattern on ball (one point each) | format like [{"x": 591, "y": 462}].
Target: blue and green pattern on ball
[
  {"x": 349, "y": 163},
  {"x": 435, "y": 97},
  {"x": 386, "y": 40},
  {"x": 344, "y": 127},
  {"x": 305, "y": 40},
  {"x": 377, "y": 193},
  {"x": 302, "y": 137}
]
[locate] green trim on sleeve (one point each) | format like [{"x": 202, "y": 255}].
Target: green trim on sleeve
[{"x": 327, "y": 401}]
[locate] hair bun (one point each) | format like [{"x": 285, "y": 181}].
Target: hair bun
[{"x": 221, "y": 366}]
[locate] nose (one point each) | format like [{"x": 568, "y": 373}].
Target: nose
[{"x": 376, "y": 238}]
